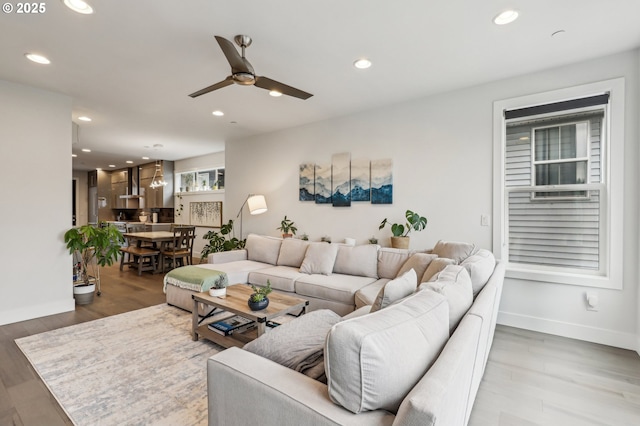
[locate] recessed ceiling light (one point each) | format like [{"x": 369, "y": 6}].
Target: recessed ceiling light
[
  {"x": 38, "y": 59},
  {"x": 145, "y": 158},
  {"x": 78, "y": 6},
  {"x": 275, "y": 93},
  {"x": 86, "y": 150},
  {"x": 74, "y": 155},
  {"x": 218, "y": 113},
  {"x": 84, "y": 118},
  {"x": 362, "y": 64},
  {"x": 505, "y": 17},
  {"x": 129, "y": 162},
  {"x": 112, "y": 165}
]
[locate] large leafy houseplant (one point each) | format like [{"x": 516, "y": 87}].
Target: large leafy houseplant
[
  {"x": 288, "y": 227},
  {"x": 221, "y": 241},
  {"x": 414, "y": 222},
  {"x": 90, "y": 242}
]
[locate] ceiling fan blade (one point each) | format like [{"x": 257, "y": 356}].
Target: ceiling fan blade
[
  {"x": 237, "y": 62},
  {"x": 268, "y": 84},
  {"x": 224, "y": 83}
]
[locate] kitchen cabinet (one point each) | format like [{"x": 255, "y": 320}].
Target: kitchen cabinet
[
  {"x": 162, "y": 196},
  {"x": 119, "y": 186}
]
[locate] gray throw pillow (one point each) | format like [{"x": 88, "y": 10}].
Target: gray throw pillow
[
  {"x": 419, "y": 263},
  {"x": 454, "y": 283},
  {"x": 395, "y": 290}
]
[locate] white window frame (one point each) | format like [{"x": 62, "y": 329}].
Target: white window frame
[
  {"x": 534, "y": 163},
  {"x": 612, "y": 182}
]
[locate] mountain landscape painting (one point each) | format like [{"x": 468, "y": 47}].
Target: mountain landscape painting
[
  {"x": 360, "y": 180},
  {"x": 323, "y": 184},
  {"x": 307, "y": 182},
  {"x": 341, "y": 179},
  {"x": 382, "y": 181}
]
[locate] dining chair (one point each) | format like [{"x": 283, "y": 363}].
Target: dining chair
[
  {"x": 180, "y": 249},
  {"x": 136, "y": 255}
]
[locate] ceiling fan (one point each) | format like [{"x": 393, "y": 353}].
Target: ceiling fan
[{"x": 242, "y": 72}]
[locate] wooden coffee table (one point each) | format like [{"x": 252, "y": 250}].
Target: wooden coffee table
[{"x": 236, "y": 303}]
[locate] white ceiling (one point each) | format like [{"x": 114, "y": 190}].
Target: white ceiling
[{"x": 131, "y": 65}]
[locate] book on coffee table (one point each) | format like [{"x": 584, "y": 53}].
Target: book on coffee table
[{"x": 234, "y": 324}]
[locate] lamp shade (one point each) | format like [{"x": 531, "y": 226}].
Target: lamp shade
[{"x": 257, "y": 204}]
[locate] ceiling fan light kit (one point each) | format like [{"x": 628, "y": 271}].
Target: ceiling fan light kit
[{"x": 242, "y": 72}]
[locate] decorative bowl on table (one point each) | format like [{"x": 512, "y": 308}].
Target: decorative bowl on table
[{"x": 143, "y": 219}]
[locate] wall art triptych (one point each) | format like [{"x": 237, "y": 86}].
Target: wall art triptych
[{"x": 345, "y": 181}]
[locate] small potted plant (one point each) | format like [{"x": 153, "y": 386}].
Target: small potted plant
[
  {"x": 259, "y": 300},
  {"x": 219, "y": 288},
  {"x": 92, "y": 244},
  {"x": 288, "y": 228},
  {"x": 401, "y": 232}
]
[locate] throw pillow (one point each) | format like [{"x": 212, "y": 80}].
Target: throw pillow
[
  {"x": 395, "y": 290},
  {"x": 263, "y": 249},
  {"x": 372, "y": 362},
  {"x": 480, "y": 267},
  {"x": 453, "y": 283},
  {"x": 390, "y": 260},
  {"x": 454, "y": 250},
  {"x": 298, "y": 344},
  {"x": 319, "y": 259},
  {"x": 436, "y": 266},
  {"x": 292, "y": 252},
  {"x": 359, "y": 260},
  {"x": 419, "y": 263}
]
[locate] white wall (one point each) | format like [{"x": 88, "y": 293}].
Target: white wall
[
  {"x": 82, "y": 197},
  {"x": 210, "y": 161},
  {"x": 441, "y": 147},
  {"x": 35, "y": 147}
]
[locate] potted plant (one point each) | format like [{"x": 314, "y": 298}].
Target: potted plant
[
  {"x": 401, "y": 232},
  {"x": 221, "y": 241},
  {"x": 259, "y": 300},
  {"x": 92, "y": 244},
  {"x": 219, "y": 288},
  {"x": 287, "y": 227}
]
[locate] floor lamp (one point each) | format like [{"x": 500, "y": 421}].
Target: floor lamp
[{"x": 257, "y": 205}]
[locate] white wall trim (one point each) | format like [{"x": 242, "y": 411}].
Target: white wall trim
[
  {"x": 45, "y": 309},
  {"x": 573, "y": 331}
]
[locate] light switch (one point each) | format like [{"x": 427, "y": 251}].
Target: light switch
[{"x": 484, "y": 220}]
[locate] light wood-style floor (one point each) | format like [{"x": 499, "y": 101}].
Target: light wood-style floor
[{"x": 531, "y": 378}]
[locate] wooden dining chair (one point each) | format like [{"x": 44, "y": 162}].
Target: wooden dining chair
[
  {"x": 180, "y": 249},
  {"x": 136, "y": 255}
]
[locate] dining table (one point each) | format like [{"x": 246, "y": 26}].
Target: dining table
[{"x": 157, "y": 238}]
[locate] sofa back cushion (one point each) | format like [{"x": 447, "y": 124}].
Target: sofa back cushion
[
  {"x": 454, "y": 250},
  {"x": 480, "y": 267},
  {"x": 359, "y": 260},
  {"x": 436, "y": 266},
  {"x": 319, "y": 259},
  {"x": 395, "y": 290},
  {"x": 262, "y": 248},
  {"x": 390, "y": 260},
  {"x": 292, "y": 252},
  {"x": 454, "y": 283},
  {"x": 373, "y": 361}
]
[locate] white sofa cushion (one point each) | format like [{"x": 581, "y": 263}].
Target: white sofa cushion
[
  {"x": 390, "y": 260},
  {"x": 281, "y": 277},
  {"x": 395, "y": 290},
  {"x": 264, "y": 249},
  {"x": 436, "y": 266},
  {"x": 292, "y": 252},
  {"x": 373, "y": 361},
  {"x": 319, "y": 259},
  {"x": 337, "y": 287},
  {"x": 419, "y": 263},
  {"x": 480, "y": 267},
  {"x": 454, "y": 250},
  {"x": 359, "y": 260},
  {"x": 367, "y": 295},
  {"x": 238, "y": 271},
  {"x": 454, "y": 283}
]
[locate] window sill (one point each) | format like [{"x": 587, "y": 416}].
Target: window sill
[{"x": 554, "y": 276}]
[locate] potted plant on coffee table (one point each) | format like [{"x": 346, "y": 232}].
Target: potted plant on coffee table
[
  {"x": 400, "y": 232},
  {"x": 92, "y": 245},
  {"x": 288, "y": 228},
  {"x": 259, "y": 300}
]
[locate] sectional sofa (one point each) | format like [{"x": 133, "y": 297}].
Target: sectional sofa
[{"x": 413, "y": 351}]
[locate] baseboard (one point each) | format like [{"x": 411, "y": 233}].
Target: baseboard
[
  {"x": 574, "y": 331},
  {"x": 37, "y": 311}
]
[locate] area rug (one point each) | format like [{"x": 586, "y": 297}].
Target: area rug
[{"x": 140, "y": 367}]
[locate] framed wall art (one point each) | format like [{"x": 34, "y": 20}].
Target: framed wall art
[{"x": 207, "y": 214}]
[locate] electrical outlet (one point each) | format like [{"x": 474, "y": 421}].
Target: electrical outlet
[
  {"x": 484, "y": 220},
  {"x": 592, "y": 301}
]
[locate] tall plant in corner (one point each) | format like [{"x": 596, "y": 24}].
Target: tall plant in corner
[{"x": 90, "y": 242}]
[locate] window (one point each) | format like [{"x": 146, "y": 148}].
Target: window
[
  {"x": 201, "y": 180},
  {"x": 560, "y": 192}
]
